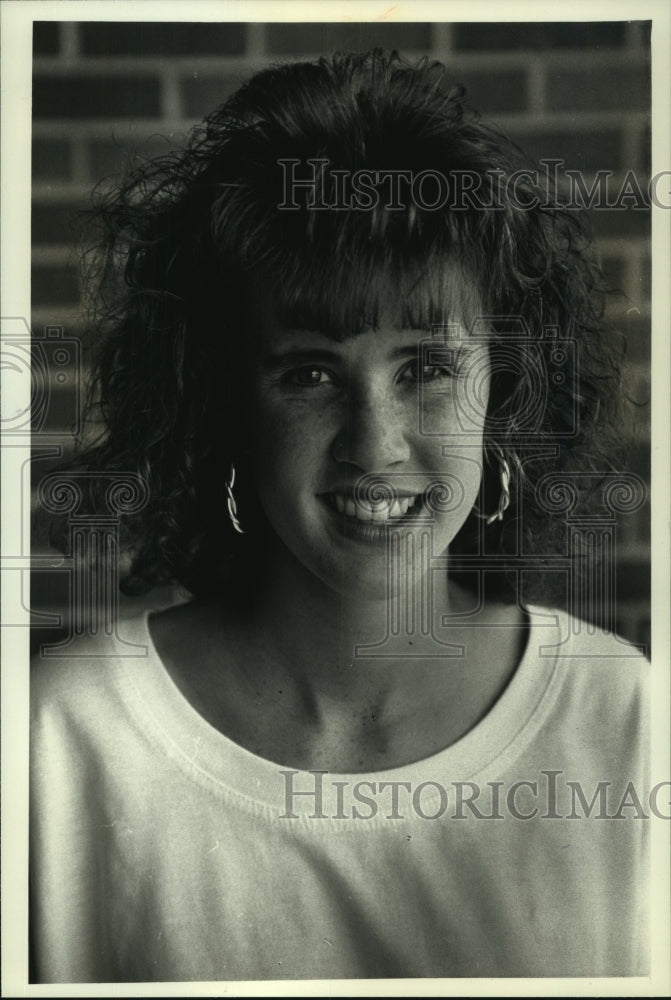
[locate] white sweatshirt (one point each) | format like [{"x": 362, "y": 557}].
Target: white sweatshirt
[{"x": 163, "y": 851}]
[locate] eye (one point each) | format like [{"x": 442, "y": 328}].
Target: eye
[
  {"x": 415, "y": 372},
  {"x": 308, "y": 375}
]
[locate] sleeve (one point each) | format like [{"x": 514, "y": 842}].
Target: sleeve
[{"x": 66, "y": 787}]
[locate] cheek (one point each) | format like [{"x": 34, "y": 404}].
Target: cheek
[
  {"x": 454, "y": 421},
  {"x": 285, "y": 446},
  {"x": 457, "y": 488},
  {"x": 457, "y": 412}
]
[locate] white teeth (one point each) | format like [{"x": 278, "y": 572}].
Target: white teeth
[{"x": 378, "y": 513}]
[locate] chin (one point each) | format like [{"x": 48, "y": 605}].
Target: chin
[
  {"x": 370, "y": 578},
  {"x": 369, "y": 561}
]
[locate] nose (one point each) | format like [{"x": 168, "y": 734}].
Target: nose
[{"x": 374, "y": 434}]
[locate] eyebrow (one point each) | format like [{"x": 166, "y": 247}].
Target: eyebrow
[
  {"x": 306, "y": 356},
  {"x": 275, "y": 361}
]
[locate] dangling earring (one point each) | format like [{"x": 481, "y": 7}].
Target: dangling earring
[
  {"x": 230, "y": 501},
  {"x": 504, "y": 499}
]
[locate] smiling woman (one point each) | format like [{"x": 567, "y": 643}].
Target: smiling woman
[
  {"x": 361, "y": 529},
  {"x": 326, "y": 415}
]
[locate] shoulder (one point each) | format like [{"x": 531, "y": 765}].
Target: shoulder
[
  {"x": 557, "y": 632},
  {"x": 587, "y": 653},
  {"x": 83, "y": 667},
  {"x": 90, "y": 710},
  {"x": 600, "y": 687}
]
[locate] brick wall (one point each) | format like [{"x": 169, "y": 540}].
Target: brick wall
[{"x": 575, "y": 91}]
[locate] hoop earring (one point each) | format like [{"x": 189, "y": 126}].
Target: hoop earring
[
  {"x": 231, "y": 504},
  {"x": 504, "y": 499}
]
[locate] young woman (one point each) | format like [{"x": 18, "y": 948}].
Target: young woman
[{"x": 354, "y": 352}]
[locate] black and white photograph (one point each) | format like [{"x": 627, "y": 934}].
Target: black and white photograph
[{"x": 336, "y": 530}]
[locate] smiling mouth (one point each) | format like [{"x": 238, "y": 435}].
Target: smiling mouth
[{"x": 371, "y": 513}]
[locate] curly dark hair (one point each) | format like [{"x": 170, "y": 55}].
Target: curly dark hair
[{"x": 183, "y": 240}]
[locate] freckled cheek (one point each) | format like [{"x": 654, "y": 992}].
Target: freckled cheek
[
  {"x": 456, "y": 414},
  {"x": 446, "y": 421},
  {"x": 453, "y": 422},
  {"x": 286, "y": 449}
]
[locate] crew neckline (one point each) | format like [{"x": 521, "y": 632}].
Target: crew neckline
[{"x": 214, "y": 760}]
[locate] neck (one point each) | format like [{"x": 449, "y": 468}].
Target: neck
[
  {"x": 281, "y": 674},
  {"x": 339, "y": 644}
]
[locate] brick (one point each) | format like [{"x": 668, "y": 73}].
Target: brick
[
  {"x": 500, "y": 36},
  {"x": 56, "y": 222},
  {"x": 489, "y": 91},
  {"x": 598, "y": 88},
  {"x": 139, "y": 38},
  {"x": 79, "y": 96},
  {"x": 581, "y": 148},
  {"x": 60, "y": 416},
  {"x": 46, "y": 38},
  {"x": 202, "y": 94},
  {"x": 111, "y": 157},
  {"x": 51, "y": 159},
  {"x": 495, "y": 90},
  {"x": 54, "y": 286},
  {"x": 75, "y": 328},
  {"x": 326, "y": 37},
  {"x": 107, "y": 157}
]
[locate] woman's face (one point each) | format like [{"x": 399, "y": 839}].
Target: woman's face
[{"x": 392, "y": 408}]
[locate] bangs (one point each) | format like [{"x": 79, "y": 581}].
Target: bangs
[
  {"x": 344, "y": 276},
  {"x": 359, "y": 295}
]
